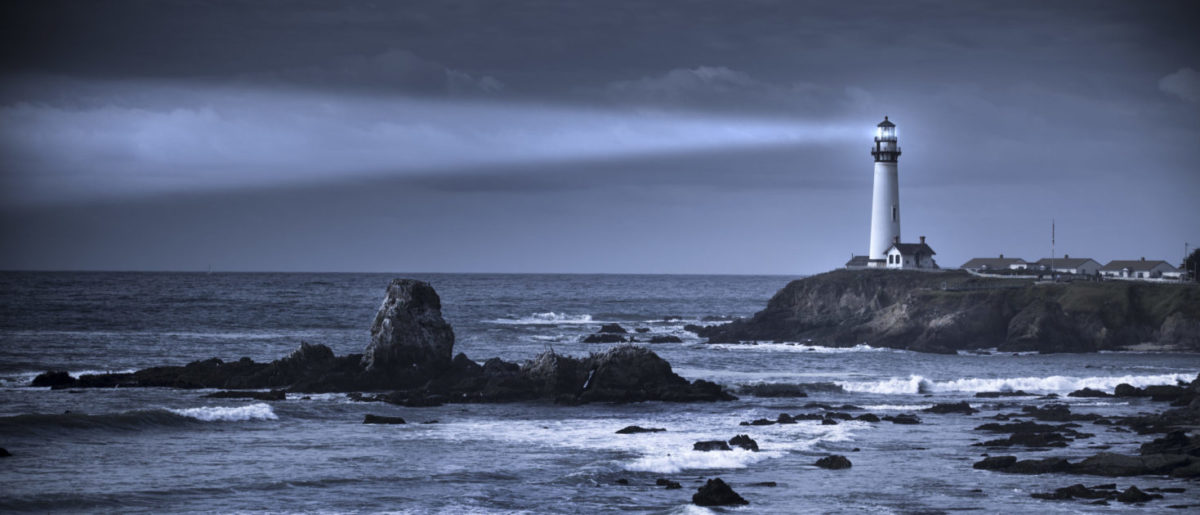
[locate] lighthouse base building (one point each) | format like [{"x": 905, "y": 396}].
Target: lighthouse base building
[{"x": 886, "y": 250}]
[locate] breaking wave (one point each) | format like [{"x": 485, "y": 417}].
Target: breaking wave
[
  {"x": 799, "y": 347},
  {"x": 916, "y": 384},
  {"x": 688, "y": 460},
  {"x": 258, "y": 411},
  {"x": 548, "y": 318}
]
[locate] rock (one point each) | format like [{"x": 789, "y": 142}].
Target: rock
[
  {"x": 784, "y": 418},
  {"x": 711, "y": 445},
  {"x": 380, "y": 419},
  {"x": 273, "y": 395},
  {"x": 1029, "y": 440},
  {"x": 1076, "y": 491},
  {"x": 622, "y": 481},
  {"x": 671, "y": 485},
  {"x": 957, "y": 407},
  {"x": 906, "y": 418},
  {"x": 1057, "y": 413},
  {"x": 1128, "y": 390},
  {"x": 993, "y": 395},
  {"x": 745, "y": 442},
  {"x": 829, "y": 422},
  {"x": 604, "y": 338},
  {"x": 642, "y": 329},
  {"x": 4, "y": 453},
  {"x": 1175, "y": 442},
  {"x": 833, "y": 462},
  {"x": 629, "y": 430},
  {"x": 1088, "y": 392},
  {"x": 409, "y": 330},
  {"x": 716, "y": 493},
  {"x": 868, "y": 417},
  {"x": 774, "y": 390},
  {"x": 768, "y": 484},
  {"x": 667, "y": 338},
  {"x": 1042, "y": 466},
  {"x": 1117, "y": 465},
  {"x": 996, "y": 463},
  {"x": 612, "y": 329},
  {"x": 53, "y": 378},
  {"x": 1133, "y": 494}
]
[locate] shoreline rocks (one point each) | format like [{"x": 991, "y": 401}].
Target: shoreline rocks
[{"x": 716, "y": 493}]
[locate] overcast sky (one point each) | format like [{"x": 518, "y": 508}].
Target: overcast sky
[{"x": 644, "y": 137}]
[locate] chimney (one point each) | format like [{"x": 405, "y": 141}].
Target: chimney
[
  {"x": 922, "y": 239},
  {"x": 1066, "y": 256},
  {"x": 1001, "y": 256},
  {"x": 896, "y": 240}
]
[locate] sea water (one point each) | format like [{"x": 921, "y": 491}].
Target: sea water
[{"x": 155, "y": 450}]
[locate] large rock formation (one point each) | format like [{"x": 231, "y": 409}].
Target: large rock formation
[
  {"x": 409, "y": 330},
  {"x": 410, "y": 354},
  {"x": 950, "y": 311}
]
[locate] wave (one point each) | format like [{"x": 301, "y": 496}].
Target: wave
[
  {"x": 259, "y": 411},
  {"x": 135, "y": 419},
  {"x": 916, "y": 384},
  {"x": 548, "y": 318},
  {"x": 799, "y": 347},
  {"x": 689, "y": 460}
]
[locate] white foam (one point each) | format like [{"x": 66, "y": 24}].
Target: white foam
[
  {"x": 896, "y": 407},
  {"x": 1054, "y": 384},
  {"x": 672, "y": 463},
  {"x": 798, "y": 347},
  {"x": 258, "y": 411},
  {"x": 548, "y": 318}
]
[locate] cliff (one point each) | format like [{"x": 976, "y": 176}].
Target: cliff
[{"x": 951, "y": 311}]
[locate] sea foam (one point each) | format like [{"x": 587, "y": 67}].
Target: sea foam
[
  {"x": 260, "y": 411},
  {"x": 915, "y": 384},
  {"x": 798, "y": 347},
  {"x": 548, "y": 318},
  {"x": 688, "y": 460}
]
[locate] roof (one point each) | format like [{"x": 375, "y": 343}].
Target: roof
[
  {"x": 1065, "y": 262},
  {"x": 910, "y": 249},
  {"x": 862, "y": 261},
  {"x": 992, "y": 262},
  {"x": 1136, "y": 264},
  {"x": 886, "y": 123}
]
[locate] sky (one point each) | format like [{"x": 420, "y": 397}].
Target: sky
[{"x": 589, "y": 137}]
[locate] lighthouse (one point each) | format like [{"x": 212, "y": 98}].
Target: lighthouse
[{"x": 885, "y": 202}]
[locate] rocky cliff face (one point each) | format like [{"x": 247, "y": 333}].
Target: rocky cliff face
[{"x": 950, "y": 311}]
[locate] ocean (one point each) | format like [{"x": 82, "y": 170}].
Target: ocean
[{"x": 165, "y": 450}]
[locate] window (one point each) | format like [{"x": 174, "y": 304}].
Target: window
[{"x": 895, "y": 213}]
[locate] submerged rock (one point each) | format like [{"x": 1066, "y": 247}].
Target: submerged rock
[
  {"x": 833, "y": 462},
  {"x": 671, "y": 485},
  {"x": 380, "y": 419},
  {"x": 716, "y": 493},
  {"x": 630, "y": 430},
  {"x": 953, "y": 407}
]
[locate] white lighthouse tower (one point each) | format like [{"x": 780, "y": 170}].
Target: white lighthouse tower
[{"x": 885, "y": 203}]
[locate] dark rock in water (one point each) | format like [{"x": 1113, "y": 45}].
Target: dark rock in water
[
  {"x": 642, "y": 329},
  {"x": 4, "y": 453},
  {"x": 1029, "y": 440},
  {"x": 273, "y": 395},
  {"x": 906, "y": 418},
  {"x": 380, "y": 419},
  {"x": 784, "y": 418},
  {"x": 1128, "y": 390},
  {"x": 759, "y": 422},
  {"x": 774, "y": 390},
  {"x": 1117, "y": 465},
  {"x": 996, "y": 462},
  {"x": 993, "y": 395},
  {"x": 53, "y": 378},
  {"x": 671, "y": 485},
  {"x": 604, "y": 338},
  {"x": 711, "y": 445},
  {"x": 694, "y": 328},
  {"x": 622, "y": 481},
  {"x": 667, "y": 338},
  {"x": 1076, "y": 491},
  {"x": 834, "y": 462},
  {"x": 716, "y": 493},
  {"x": 630, "y": 430},
  {"x": 1057, "y": 413},
  {"x": 868, "y": 417},
  {"x": 956, "y": 407},
  {"x": 839, "y": 415},
  {"x": 1132, "y": 495},
  {"x": 745, "y": 442},
  {"x": 768, "y": 484},
  {"x": 1042, "y": 466},
  {"x": 1175, "y": 442},
  {"x": 1088, "y": 392},
  {"x": 612, "y": 329},
  {"x": 829, "y": 422},
  {"x": 409, "y": 330}
]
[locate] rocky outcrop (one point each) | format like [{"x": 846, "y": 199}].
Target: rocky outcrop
[
  {"x": 409, "y": 354},
  {"x": 716, "y": 493},
  {"x": 834, "y": 462},
  {"x": 950, "y": 311}
]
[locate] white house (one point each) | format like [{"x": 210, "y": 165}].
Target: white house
[
  {"x": 1139, "y": 269},
  {"x": 1069, "y": 265},
  {"x": 995, "y": 264},
  {"x": 910, "y": 255}
]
